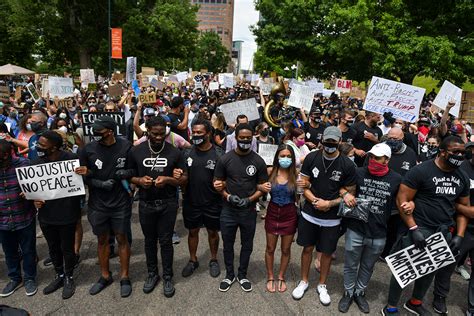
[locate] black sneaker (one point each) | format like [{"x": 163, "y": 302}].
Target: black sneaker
[
  {"x": 55, "y": 285},
  {"x": 439, "y": 305},
  {"x": 47, "y": 262},
  {"x": 245, "y": 285},
  {"x": 168, "y": 288},
  {"x": 125, "y": 288},
  {"x": 385, "y": 312},
  {"x": 69, "y": 287},
  {"x": 189, "y": 268},
  {"x": 100, "y": 285},
  {"x": 30, "y": 287},
  {"x": 416, "y": 309},
  {"x": 226, "y": 284},
  {"x": 150, "y": 282},
  {"x": 214, "y": 268},
  {"x": 10, "y": 288},
  {"x": 362, "y": 302},
  {"x": 345, "y": 302}
]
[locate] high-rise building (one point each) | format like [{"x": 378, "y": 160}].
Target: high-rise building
[{"x": 217, "y": 16}]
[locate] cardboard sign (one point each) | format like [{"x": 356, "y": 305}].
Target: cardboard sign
[
  {"x": 117, "y": 77},
  {"x": 343, "y": 85},
  {"x": 267, "y": 152},
  {"x": 60, "y": 87},
  {"x": 403, "y": 100},
  {"x": 32, "y": 90},
  {"x": 157, "y": 84},
  {"x": 447, "y": 93},
  {"x": 64, "y": 103},
  {"x": 301, "y": 97},
  {"x": 92, "y": 87},
  {"x": 131, "y": 69},
  {"x": 410, "y": 264},
  {"x": 182, "y": 76},
  {"x": 116, "y": 39},
  {"x": 266, "y": 88},
  {"x": 318, "y": 87},
  {"x": 247, "y": 107},
  {"x": 144, "y": 82},
  {"x": 148, "y": 71},
  {"x": 213, "y": 86},
  {"x": 44, "y": 87},
  {"x": 203, "y": 70},
  {"x": 147, "y": 98},
  {"x": 50, "y": 181},
  {"x": 88, "y": 119},
  {"x": 18, "y": 93},
  {"x": 87, "y": 76},
  {"x": 115, "y": 90},
  {"x": 4, "y": 92}
]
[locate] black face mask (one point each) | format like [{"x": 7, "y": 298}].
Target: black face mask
[
  {"x": 349, "y": 123},
  {"x": 36, "y": 126},
  {"x": 199, "y": 140},
  {"x": 454, "y": 160},
  {"x": 264, "y": 132},
  {"x": 41, "y": 151},
  {"x": 395, "y": 144},
  {"x": 244, "y": 145}
]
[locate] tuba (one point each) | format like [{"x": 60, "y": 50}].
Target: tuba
[{"x": 278, "y": 87}]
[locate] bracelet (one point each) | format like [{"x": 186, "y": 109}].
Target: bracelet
[
  {"x": 413, "y": 227},
  {"x": 344, "y": 194}
]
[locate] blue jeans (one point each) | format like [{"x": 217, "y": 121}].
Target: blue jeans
[
  {"x": 360, "y": 256},
  {"x": 13, "y": 242}
]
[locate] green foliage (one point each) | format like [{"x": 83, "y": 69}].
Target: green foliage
[{"x": 210, "y": 53}]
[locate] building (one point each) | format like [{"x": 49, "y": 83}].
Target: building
[
  {"x": 217, "y": 16},
  {"x": 237, "y": 55}
]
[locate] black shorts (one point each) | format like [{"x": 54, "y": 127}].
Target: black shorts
[
  {"x": 324, "y": 238},
  {"x": 104, "y": 222},
  {"x": 197, "y": 217}
]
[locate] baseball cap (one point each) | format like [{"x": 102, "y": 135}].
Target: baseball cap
[
  {"x": 149, "y": 112},
  {"x": 332, "y": 132},
  {"x": 380, "y": 150},
  {"x": 468, "y": 145},
  {"x": 104, "y": 122}
]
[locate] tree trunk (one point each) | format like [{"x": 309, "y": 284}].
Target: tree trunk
[{"x": 84, "y": 58}]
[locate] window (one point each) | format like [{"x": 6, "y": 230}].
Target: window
[{"x": 219, "y": 30}]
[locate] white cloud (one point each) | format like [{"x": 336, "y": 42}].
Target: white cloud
[{"x": 245, "y": 15}]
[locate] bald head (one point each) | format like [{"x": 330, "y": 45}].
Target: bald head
[{"x": 395, "y": 133}]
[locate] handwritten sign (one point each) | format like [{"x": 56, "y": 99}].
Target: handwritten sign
[
  {"x": 44, "y": 87},
  {"x": 403, "y": 100},
  {"x": 50, "y": 181},
  {"x": 267, "y": 152},
  {"x": 266, "y": 88},
  {"x": 131, "y": 69},
  {"x": 147, "y": 98},
  {"x": 293, "y": 83},
  {"x": 87, "y": 76},
  {"x": 344, "y": 86},
  {"x": 4, "y": 92},
  {"x": 117, "y": 76},
  {"x": 88, "y": 118},
  {"x": 157, "y": 84},
  {"x": 410, "y": 263},
  {"x": 115, "y": 90},
  {"x": 318, "y": 87},
  {"x": 449, "y": 92},
  {"x": 182, "y": 76},
  {"x": 60, "y": 87},
  {"x": 213, "y": 86},
  {"x": 64, "y": 103},
  {"x": 229, "y": 81},
  {"x": 32, "y": 90},
  {"x": 198, "y": 85},
  {"x": 247, "y": 107},
  {"x": 148, "y": 71},
  {"x": 301, "y": 97}
]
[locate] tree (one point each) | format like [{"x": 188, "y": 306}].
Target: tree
[{"x": 210, "y": 53}]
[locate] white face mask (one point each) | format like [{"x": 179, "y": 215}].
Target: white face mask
[
  {"x": 63, "y": 129},
  {"x": 168, "y": 130},
  {"x": 63, "y": 115},
  {"x": 398, "y": 125}
]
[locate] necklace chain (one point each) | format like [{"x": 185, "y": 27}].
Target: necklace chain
[
  {"x": 157, "y": 153},
  {"x": 324, "y": 165}
]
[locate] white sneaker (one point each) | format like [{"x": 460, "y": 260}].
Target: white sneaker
[
  {"x": 257, "y": 208},
  {"x": 324, "y": 297},
  {"x": 299, "y": 291},
  {"x": 463, "y": 272}
]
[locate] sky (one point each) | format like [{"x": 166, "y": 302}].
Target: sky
[{"x": 245, "y": 15}]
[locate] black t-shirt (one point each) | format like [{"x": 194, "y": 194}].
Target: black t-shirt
[
  {"x": 382, "y": 191},
  {"x": 175, "y": 121},
  {"x": 468, "y": 168},
  {"x": 146, "y": 164},
  {"x": 314, "y": 134},
  {"x": 360, "y": 142},
  {"x": 326, "y": 180},
  {"x": 241, "y": 173},
  {"x": 103, "y": 161},
  {"x": 436, "y": 194},
  {"x": 348, "y": 136},
  {"x": 200, "y": 166},
  {"x": 60, "y": 211}
]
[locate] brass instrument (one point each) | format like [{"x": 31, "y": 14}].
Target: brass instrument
[{"x": 278, "y": 87}]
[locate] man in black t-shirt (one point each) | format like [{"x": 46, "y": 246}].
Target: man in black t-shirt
[
  {"x": 347, "y": 121},
  {"x": 110, "y": 205},
  {"x": 428, "y": 199},
  {"x": 367, "y": 134},
  {"x": 179, "y": 115},
  {"x": 202, "y": 205},
  {"x": 236, "y": 176},
  {"x": 153, "y": 163},
  {"x": 314, "y": 128},
  {"x": 325, "y": 173}
]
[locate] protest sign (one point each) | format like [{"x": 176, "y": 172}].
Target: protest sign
[
  {"x": 267, "y": 152},
  {"x": 403, "y": 100},
  {"x": 60, "y": 87},
  {"x": 203, "y": 70},
  {"x": 157, "y": 84},
  {"x": 327, "y": 93},
  {"x": 131, "y": 69},
  {"x": 213, "y": 86},
  {"x": 148, "y": 71},
  {"x": 247, "y": 107},
  {"x": 50, "y": 181},
  {"x": 229, "y": 81},
  {"x": 115, "y": 90},
  {"x": 144, "y": 82},
  {"x": 266, "y": 88},
  {"x": 198, "y": 85},
  {"x": 318, "y": 87},
  {"x": 44, "y": 87},
  {"x": 117, "y": 76},
  {"x": 449, "y": 92},
  {"x": 18, "y": 93},
  {"x": 182, "y": 76},
  {"x": 88, "y": 119},
  {"x": 293, "y": 83},
  {"x": 222, "y": 76},
  {"x": 410, "y": 263},
  {"x": 252, "y": 77},
  {"x": 302, "y": 97},
  {"x": 87, "y": 76},
  {"x": 63, "y": 103},
  {"x": 4, "y": 92},
  {"x": 32, "y": 90},
  {"x": 92, "y": 87},
  {"x": 116, "y": 39},
  {"x": 343, "y": 85},
  {"x": 147, "y": 98},
  {"x": 135, "y": 87}
]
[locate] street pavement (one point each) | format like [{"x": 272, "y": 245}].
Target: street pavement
[{"x": 199, "y": 294}]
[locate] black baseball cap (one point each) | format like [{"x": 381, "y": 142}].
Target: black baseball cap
[{"x": 104, "y": 122}]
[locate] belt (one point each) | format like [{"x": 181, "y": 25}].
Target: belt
[{"x": 158, "y": 202}]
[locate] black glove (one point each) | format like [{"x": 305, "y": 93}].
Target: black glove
[
  {"x": 455, "y": 244},
  {"x": 244, "y": 203},
  {"x": 107, "y": 185},
  {"x": 234, "y": 200},
  {"x": 418, "y": 239},
  {"x": 122, "y": 174}
]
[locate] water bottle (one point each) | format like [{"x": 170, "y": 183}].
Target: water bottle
[{"x": 299, "y": 190}]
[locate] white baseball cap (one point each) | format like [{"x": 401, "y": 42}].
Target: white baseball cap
[{"x": 380, "y": 150}]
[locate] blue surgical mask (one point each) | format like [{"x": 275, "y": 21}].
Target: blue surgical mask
[{"x": 285, "y": 162}]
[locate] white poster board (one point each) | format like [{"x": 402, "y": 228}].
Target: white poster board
[
  {"x": 343, "y": 86},
  {"x": 318, "y": 87},
  {"x": 213, "y": 86},
  {"x": 301, "y": 97},
  {"x": 403, "y": 100},
  {"x": 447, "y": 93},
  {"x": 60, "y": 87},
  {"x": 87, "y": 76},
  {"x": 50, "y": 181},
  {"x": 247, "y": 107},
  {"x": 293, "y": 83},
  {"x": 182, "y": 76},
  {"x": 266, "y": 88},
  {"x": 131, "y": 69},
  {"x": 410, "y": 263},
  {"x": 267, "y": 152},
  {"x": 221, "y": 77},
  {"x": 44, "y": 87},
  {"x": 229, "y": 81}
]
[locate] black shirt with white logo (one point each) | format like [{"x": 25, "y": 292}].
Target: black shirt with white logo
[
  {"x": 314, "y": 134},
  {"x": 326, "y": 180},
  {"x": 103, "y": 161},
  {"x": 348, "y": 136},
  {"x": 437, "y": 192},
  {"x": 360, "y": 142},
  {"x": 241, "y": 173},
  {"x": 382, "y": 192},
  {"x": 400, "y": 162},
  {"x": 147, "y": 164}
]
